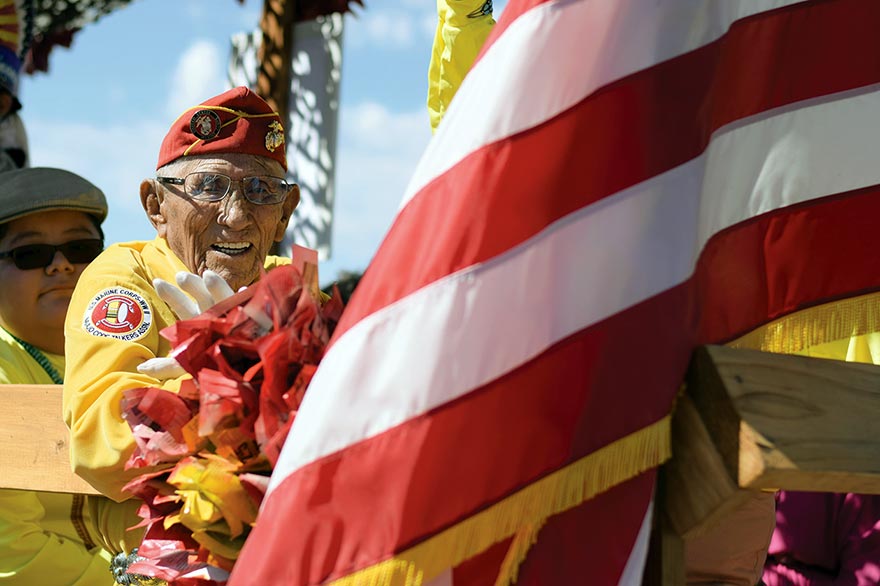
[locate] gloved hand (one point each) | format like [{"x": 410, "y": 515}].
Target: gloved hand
[{"x": 207, "y": 290}]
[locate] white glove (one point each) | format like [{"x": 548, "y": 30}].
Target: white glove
[
  {"x": 161, "y": 368},
  {"x": 208, "y": 290}
]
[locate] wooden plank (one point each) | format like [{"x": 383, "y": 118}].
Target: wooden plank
[
  {"x": 34, "y": 441},
  {"x": 790, "y": 422},
  {"x": 275, "y": 55},
  {"x": 665, "y": 563},
  {"x": 699, "y": 489}
]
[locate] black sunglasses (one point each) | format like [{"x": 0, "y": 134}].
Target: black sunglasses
[{"x": 39, "y": 256}]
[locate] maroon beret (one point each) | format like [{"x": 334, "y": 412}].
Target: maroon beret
[{"x": 236, "y": 121}]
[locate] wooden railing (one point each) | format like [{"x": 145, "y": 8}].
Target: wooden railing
[
  {"x": 34, "y": 441},
  {"x": 756, "y": 421}
]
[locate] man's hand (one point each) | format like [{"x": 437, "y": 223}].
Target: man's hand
[
  {"x": 207, "y": 290},
  {"x": 161, "y": 368}
]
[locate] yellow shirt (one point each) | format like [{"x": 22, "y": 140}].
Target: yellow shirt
[
  {"x": 39, "y": 541},
  {"x": 462, "y": 29},
  {"x": 112, "y": 326}
]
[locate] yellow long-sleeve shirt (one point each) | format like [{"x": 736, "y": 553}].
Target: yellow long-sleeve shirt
[
  {"x": 113, "y": 326},
  {"x": 45, "y": 538},
  {"x": 462, "y": 28}
]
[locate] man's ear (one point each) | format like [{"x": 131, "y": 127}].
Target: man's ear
[
  {"x": 151, "y": 200},
  {"x": 286, "y": 211}
]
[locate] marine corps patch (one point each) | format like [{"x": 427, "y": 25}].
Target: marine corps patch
[
  {"x": 275, "y": 136},
  {"x": 118, "y": 313},
  {"x": 205, "y": 124}
]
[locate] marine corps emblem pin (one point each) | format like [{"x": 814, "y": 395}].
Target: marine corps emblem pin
[
  {"x": 275, "y": 136},
  {"x": 205, "y": 124}
]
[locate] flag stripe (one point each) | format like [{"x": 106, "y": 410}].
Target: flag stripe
[
  {"x": 412, "y": 343},
  {"x": 536, "y": 419},
  {"x": 788, "y": 260},
  {"x": 593, "y": 543},
  {"x": 604, "y": 145},
  {"x": 554, "y": 408},
  {"x": 635, "y": 565},
  {"x": 555, "y": 250},
  {"x": 620, "y": 40}
]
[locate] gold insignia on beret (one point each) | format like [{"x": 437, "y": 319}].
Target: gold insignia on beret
[{"x": 275, "y": 136}]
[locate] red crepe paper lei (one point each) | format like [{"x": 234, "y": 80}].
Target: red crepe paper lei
[{"x": 210, "y": 448}]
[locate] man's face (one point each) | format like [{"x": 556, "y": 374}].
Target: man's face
[{"x": 232, "y": 237}]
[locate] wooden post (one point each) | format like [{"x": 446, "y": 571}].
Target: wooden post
[
  {"x": 665, "y": 563},
  {"x": 276, "y": 54}
]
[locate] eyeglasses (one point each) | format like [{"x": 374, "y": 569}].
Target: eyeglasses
[
  {"x": 204, "y": 186},
  {"x": 40, "y": 256}
]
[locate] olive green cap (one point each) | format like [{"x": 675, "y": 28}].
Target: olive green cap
[{"x": 42, "y": 189}]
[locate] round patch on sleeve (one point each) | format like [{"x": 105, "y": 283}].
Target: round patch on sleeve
[{"x": 118, "y": 313}]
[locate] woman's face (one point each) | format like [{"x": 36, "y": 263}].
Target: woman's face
[{"x": 33, "y": 302}]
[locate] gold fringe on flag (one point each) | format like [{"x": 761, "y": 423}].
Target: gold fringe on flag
[
  {"x": 522, "y": 542},
  {"x": 818, "y": 325},
  {"x": 522, "y": 514}
]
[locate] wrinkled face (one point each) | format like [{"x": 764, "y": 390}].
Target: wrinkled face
[
  {"x": 34, "y": 301},
  {"x": 232, "y": 237}
]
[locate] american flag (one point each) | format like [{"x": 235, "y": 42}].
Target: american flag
[{"x": 616, "y": 182}]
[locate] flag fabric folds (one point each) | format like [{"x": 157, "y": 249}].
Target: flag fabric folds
[{"x": 616, "y": 182}]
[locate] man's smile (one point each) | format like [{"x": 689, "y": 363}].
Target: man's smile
[{"x": 231, "y": 248}]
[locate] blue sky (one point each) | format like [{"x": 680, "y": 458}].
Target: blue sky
[{"x": 107, "y": 101}]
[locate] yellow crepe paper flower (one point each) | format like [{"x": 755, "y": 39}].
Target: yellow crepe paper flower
[{"x": 211, "y": 490}]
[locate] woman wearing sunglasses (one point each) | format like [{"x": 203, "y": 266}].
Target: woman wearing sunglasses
[{"x": 50, "y": 229}]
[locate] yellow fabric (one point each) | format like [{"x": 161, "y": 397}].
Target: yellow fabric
[
  {"x": 457, "y": 42},
  {"x": 39, "y": 543},
  {"x": 523, "y": 513},
  {"x": 99, "y": 369},
  {"x": 19, "y": 367}
]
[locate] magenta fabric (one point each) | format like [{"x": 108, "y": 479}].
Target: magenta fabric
[{"x": 825, "y": 539}]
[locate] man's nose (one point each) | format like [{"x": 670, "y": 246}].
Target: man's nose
[
  {"x": 59, "y": 264},
  {"x": 235, "y": 212}
]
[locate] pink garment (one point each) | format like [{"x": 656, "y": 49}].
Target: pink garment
[{"x": 825, "y": 539}]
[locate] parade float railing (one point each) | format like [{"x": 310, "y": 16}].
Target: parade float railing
[
  {"x": 34, "y": 441},
  {"x": 752, "y": 420},
  {"x": 747, "y": 421}
]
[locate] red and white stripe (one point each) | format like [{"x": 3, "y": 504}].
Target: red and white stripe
[{"x": 615, "y": 182}]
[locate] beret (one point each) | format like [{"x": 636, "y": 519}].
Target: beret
[
  {"x": 41, "y": 189},
  {"x": 236, "y": 121}
]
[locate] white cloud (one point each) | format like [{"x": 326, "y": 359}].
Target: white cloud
[
  {"x": 115, "y": 158},
  {"x": 378, "y": 151},
  {"x": 372, "y": 126},
  {"x": 385, "y": 29},
  {"x": 199, "y": 75}
]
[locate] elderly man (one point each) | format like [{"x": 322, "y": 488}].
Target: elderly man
[{"x": 218, "y": 203}]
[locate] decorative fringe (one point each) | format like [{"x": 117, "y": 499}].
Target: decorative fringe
[
  {"x": 523, "y": 541},
  {"x": 392, "y": 572},
  {"x": 523, "y": 513},
  {"x": 799, "y": 331}
]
